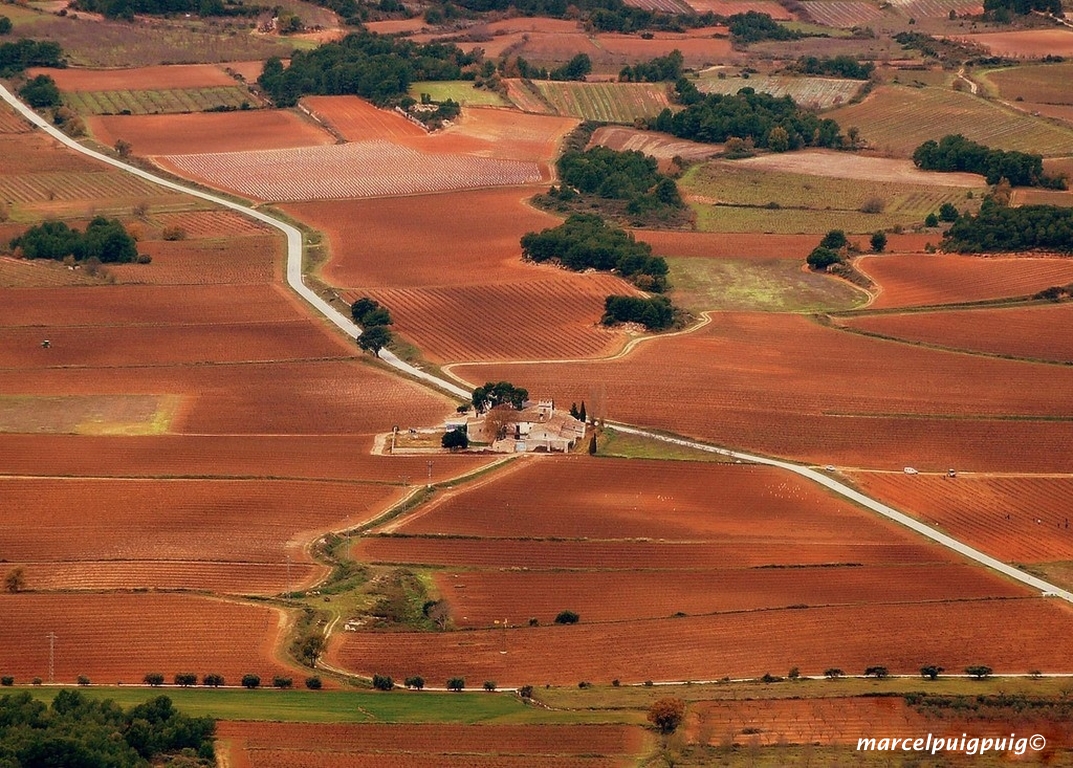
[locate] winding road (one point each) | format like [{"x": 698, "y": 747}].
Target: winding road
[{"x": 345, "y": 324}]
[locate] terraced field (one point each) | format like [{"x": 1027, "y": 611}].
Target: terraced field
[
  {"x": 898, "y": 119},
  {"x": 815, "y": 92},
  {"x": 840, "y": 14},
  {"x": 606, "y": 102}
]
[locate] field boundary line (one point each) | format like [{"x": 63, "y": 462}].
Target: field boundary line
[
  {"x": 1044, "y": 587},
  {"x": 295, "y": 246}
]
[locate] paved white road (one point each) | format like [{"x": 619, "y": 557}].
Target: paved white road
[
  {"x": 344, "y": 323},
  {"x": 294, "y": 241}
]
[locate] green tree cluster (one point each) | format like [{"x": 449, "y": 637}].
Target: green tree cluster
[
  {"x": 998, "y": 229},
  {"x": 374, "y": 320},
  {"x": 585, "y": 241},
  {"x": 753, "y": 26},
  {"x": 838, "y": 66},
  {"x": 629, "y": 175},
  {"x": 375, "y": 67},
  {"x": 745, "y": 115},
  {"x": 575, "y": 69},
  {"x": 5, "y": 25},
  {"x": 956, "y": 153},
  {"x": 493, "y": 394},
  {"x": 1002, "y": 10},
  {"x": 660, "y": 69},
  {"x": 125, "y": 9},
  {"x": 77, "y": 731},
  {"x": 104, "y": 239},
  {"x": 600, "y": 15},
  {"x": 21, "y": 54},
  {"x": 830, "y": 251},
  {"x": 655, "y": 313}
]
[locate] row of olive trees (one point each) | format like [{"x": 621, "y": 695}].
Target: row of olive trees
[{"x": 251, "y": 681}]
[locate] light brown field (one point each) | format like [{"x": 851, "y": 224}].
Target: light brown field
[
  {"x": 926, "y": 279},
  {"x": 845, "y": 165},
  {"x": 208, "y": 132},
  {"x": 731, "y": 7},
  {"x": 1029, "y": 44},
  {"x": 121, "y": 636},
  {"x": 1030, "y": 332},
  {"x": 358, "y": 120},
  {"x": 658, "y": 145},
  {"x": 139, "y": 79}
]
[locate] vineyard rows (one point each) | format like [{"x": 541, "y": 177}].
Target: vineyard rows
[
  {"x": 360, "y": 169},
  {"x": 321, "y": 758},
  {"x": 731, "y": 7},
  {"x": 937, "y": 9},
  {"x": 10, "y": 122},
  {"x": 840, "y": 14},
  {"x": 606, "y": 102},
  {"x": 526, "y": 100},
  {"x": 815, "y": 92},
  {"x": 100, "y": 185},
  {"x": 663, "y": 6},
  {"x": 157, "y": 102},
  {"x": 899, "y": 119},
  {"x": 231, "y": 260}
]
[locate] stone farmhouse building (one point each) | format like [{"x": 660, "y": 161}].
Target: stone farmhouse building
[{"x": 537, "y": 427}]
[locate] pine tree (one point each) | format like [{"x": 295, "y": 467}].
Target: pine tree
[
  {"x": 573, "y": 410},
  {"x": 581, "y": 412},
  {"x": 592, "y": 444}
]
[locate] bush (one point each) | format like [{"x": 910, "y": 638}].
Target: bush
[
  {"x": 979, "y": 671},
  {"x": 185, "y": 679},
  {"x": 173, "y": 233},
  {"x": 314, "y": 683},
  {"x": 584, "y": 684},
  {"x": 526, "y": 691},
  {"x": 416, "y": 682},
  {"x": 5, "y": 25},
  {"x": 873, "y": 205},
  {"x": 880, "y": 673},
  {"x": 567, "y": 617},
  {"x": 931, "y": 220},
  {"x": 282, "y": 682},
  {"x": 879, "y": 242},
  {"x": 930, "y": 672},
  {"x": 456, "y": 684},
  {"x": 821, "y": 258},
  {"x": 489, "y": 685},
  {"x": 40, "y": 92},
  {"x": 7, "y": 681},
  {"x": 212, "y": 680},
  {"x": 833, "y": 673},
  {"x": 383, "y": 682},
  {"x": 251, "y": 681},
  {"x": 667, "y": 714},
  {"x": 83, "y": 680}
]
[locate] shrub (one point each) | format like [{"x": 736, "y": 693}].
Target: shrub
[
  {"x": 282, "y": 682},
  {"x": 979, "y": 671},
  {"x": 880, "y": 673},
  {"x": 526, "y": 691},
  {"x": 873, "y": 205},
  {"x": 251, "y": 681},
  {"x": 383, "y": 682},
  {"x": 185, "y": 679},
  {"x": 83, "y": 680},
  {"x": 821, "y": 258},
  {"x": 931, "y": 220},
  {"x": 667, "y": 714},
  {"x": 616, "y": 683},
  {"x": 879, "y": 242},
  {"x": 456, "y": 684},
  {"x": 833, "y": 673},
  {"x": 584, "y": 684},
  {"x": 930, "y": 672},
  {"x": 567, "y": 617},
  {"x": 314, "y": 683},
  {"x": 7, "y": 681},
  {"x": 489, "y": 685},
  {"x": 416, "y": 682},
  {"x": 173, "y": 233},
  {"x": 212, "y": 680}
]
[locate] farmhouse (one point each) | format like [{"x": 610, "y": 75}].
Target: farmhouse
[{"x": 537, "y": 427}]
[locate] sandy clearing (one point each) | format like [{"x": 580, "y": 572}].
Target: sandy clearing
[{"x": 844, "y": 165}]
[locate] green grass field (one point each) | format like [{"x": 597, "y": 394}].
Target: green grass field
[
  {"x": 774, "y": 285},
  {"x": 898, "y": 119},
  {"x": 792, "y": 221},
  {"x": 461, "y": 91},
  {"x": 168, "y": 101},
  {"x": 606, "y": 102},
  {"x": 619, "y": 444}
]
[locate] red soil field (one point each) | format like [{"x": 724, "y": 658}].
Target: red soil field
[
  {"x": 431, "y": 241},
  {"x": 121, "y": 637},
  {"x": 23, "y": 274},
  {"x": 358, "y": 120},
  {"x": 151, "y": 135},
  {"x": 344, "y": 457},
  {"x": 140, "y": 79},
  {"x": 650, "y": 499},
  {"x": 262, "y": 521},
  {"x": 698, "y": 47},
  {"x": 320, "y": 398},
  {"x": 212, "y": 224},
  {"x": 1034, "y": 332},
  {"x": 480, "y": 598},
  {"x": 1029, "y": 44},
  {"x": 636, "y": 555},
  {"x": 907, "y": 281},
  {"x": 1021, "y": 635},
  {"x": 10, "y": 122},
  {"x": 975, "y": 510},
  {"x": 234, "y": 261},
  {"x": 224, "y": 578},
  {"x": 763, "y": 382},
  {"x": 179, "y": 344},
  {"x": 35, "y": 153},
  {"x": 557, "y": 317},
  {"x": 321, "y": 758},
  {"x": 250, "y": 70}
]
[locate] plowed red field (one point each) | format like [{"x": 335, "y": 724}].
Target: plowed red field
[
  {"x": 634, "y": 555},
  {"x": 209, "y": 132},
  {"x": 212, "y": 262},
  {"x": 140, "y": 79},
  {"x": 1028, "y": 44},
  {"x": 915, "y": 280},
  {"x": 480, "y": 598},
  {"x": 1034, "y": 332},
  {"x": 121, "y": 637},
  {"x": 358, "y": 120},
  {"x": 1015, "y": 519},
  {"x": 226, "y": 520},
  {"x": 766, "y": 383},
  {"x": 1021, "y": 635}
]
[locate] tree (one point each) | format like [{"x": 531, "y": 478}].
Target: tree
[
  {"x": 456, "y": 684},
  {"x": 499, "y": 393},
  {"x": 154, "y": 679},
  {"x": 931, "y": 220},
  {"x": 383, "y": 682},
  {"x": 930, "y": 672},
  {"x": 40, "y": 91},
  {"x": 455, "y": 438},
  {"x": 667, "y": 714},
  {"x": 833, "y": 673},
  {"x": 310, "y": 648},
  {"x": 880, "y": 673},
  {"x": 251, "y": 681},
  {"x": 979, "y": 671},
  {"x": 835, "y": 240},
  {"x": 123, "y": 147},
  {"x": 567, "y": 617},
  {"x": 212, "y": 680},
  {"x": 592, "y": 443},
  {"x": 947, "y": 212},
  {"x": 821, "y": 258},
  {"x": 778, "y": 139},
  {"x": 526, "y": 691},
  {"x": 879, "y": 242},
  {"x": 489, "y": 685},
  {"x": 314, "y": 683},
  {"x": 367, "y": 312},
  {"x": 374, "y": 338},
  {"x": 185, "y": 679},
  {"x": 15, "y": 581},
  {"x": 282, "y": 682},
  {"x": 581, "y": 413},
  {"x": 5, "y": 25},
  {"x": 416, "y": 682}
]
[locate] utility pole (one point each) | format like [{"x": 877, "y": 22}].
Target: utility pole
[
  {"x": 289, "y": 585},
  {"x": 51, "y": 657},
  {"x": 430, "y": 474}
]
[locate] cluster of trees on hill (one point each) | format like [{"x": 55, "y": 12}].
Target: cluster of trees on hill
[
  {"x": 956, "y": 153},
  {"x": 374, "y": 320},
  {"x": 375, "y": 67},
  {"x": 125, "y": 9},
  {"x": 830, "y": 251},
  {"x": 997, "y": 228},
  {"x": 655, "y": 313},
  {"x": 662, "y": 68},
  {"x": 21, "y": 54},
  {"x": 602, "y": 15},
  {"x": 1001, "y": 10},
  {"x": 5, "y": 25},
  {"x": 631, "y": 176},
  {"x": 585, "y": 241},
  {"x": 494, "y": 394},
  {"x": 40, "y": 91},
  {"x": 104, "y": 239},
  {"x": 575, "y": 69},
  {"x": 839, "y": 66},
  {"x": 753, "y": 26},
  {"x": 773, "y": 123},
  {"x": 77, "y": 731}
]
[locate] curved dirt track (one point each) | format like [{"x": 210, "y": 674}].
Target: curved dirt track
[{"x": 294, "y": 280}]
